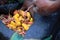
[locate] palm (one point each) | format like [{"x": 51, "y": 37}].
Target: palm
[{"x": 44, "y": 3}]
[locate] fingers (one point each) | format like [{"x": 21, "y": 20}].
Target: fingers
[
  {"x": 25, "y": 13},
  {"x": 29, "y": 8}
]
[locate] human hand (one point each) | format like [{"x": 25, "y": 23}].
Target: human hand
[{"x": 46, "y": 6}]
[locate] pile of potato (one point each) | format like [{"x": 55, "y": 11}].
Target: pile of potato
[{"x": 20, "y": 23}]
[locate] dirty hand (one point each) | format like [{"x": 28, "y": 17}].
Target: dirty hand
[{"x": 47, "y": 6}]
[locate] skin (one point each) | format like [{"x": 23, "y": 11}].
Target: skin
[
  {"x": 3, "y": 2},
  {"x": 27, "y": 5},
  {"x": 45, "y": 7}
]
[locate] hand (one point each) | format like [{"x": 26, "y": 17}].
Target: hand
[{"x": 46, "y": 6}]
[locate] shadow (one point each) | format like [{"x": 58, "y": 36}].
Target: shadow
[{"x": 2, "y": 37}]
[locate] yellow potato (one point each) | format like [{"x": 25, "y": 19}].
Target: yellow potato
[
  {"x": 31, "y": 19},
  {"x": 13, "y": 23},
  {"x": 26, "y": 27},
  {"x": 16, "y": 19},
  {"x": 21, "y": 18},
  {"x": 18, "y": 29},
  {"x": 22, "y": 12},
  {"x": 28, "y": 15},
  {"x": 16, "y": 15},
  {"x": 18, "y": 23},
  {"x": 11, "y": 26}
]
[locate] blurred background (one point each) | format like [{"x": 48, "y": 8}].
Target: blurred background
[{"x": 9, "y": 5}]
